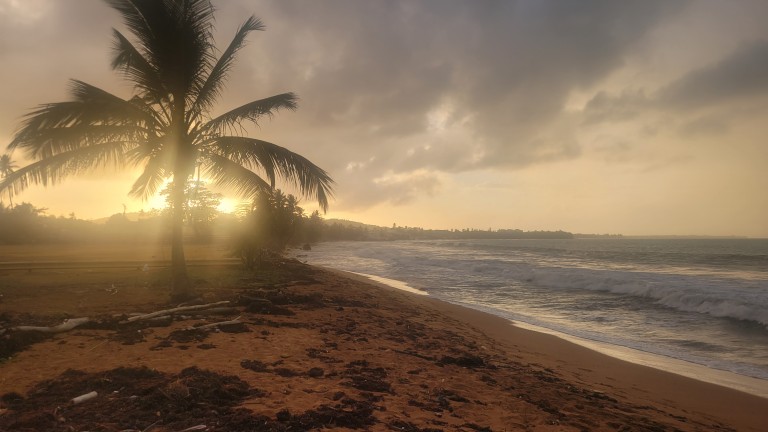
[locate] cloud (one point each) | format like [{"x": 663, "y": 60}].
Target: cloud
[
  {"x": 606, "y": 107},
  {"x": 45, "y": 43},
  {"x": 742, "y": 74},
  {"x": 737, "y": 78},
  {"x": 398, "y": 96},
  {"x": 393, "y": 188},
  {"x": 705, "y": 126},
  {"x": 378, "y": 69}
]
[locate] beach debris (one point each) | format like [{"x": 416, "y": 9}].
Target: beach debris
[
  {"x": 468, "y": 361},
  {"x": 316, "y": 372},
  {"x": 84, "y": 398},
  {"x": 254, "y": 365},
  {"x": 224, "y": 310},
  {"x": 216, "y": 324},
  {"x": 175, "y": 310},
  {"x": 363, "y": 377},
  {"x": 67, "y": 325}
]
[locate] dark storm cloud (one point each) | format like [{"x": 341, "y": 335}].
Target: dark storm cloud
[
  {"x": 499, "y": 72},
  {"x": 740, "y": 76},
  {"x": 504, "y": 67},
  {"x": 744, "y": 73},
  {"x": 605, "y": 107}
]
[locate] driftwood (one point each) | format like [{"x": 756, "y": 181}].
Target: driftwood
[
  {"x": 212, "y": 325},
  {"x": 67, "y": 325},
  {"x": 213, "y": 311},
  {"x": 72, "y": 323},
  {"x": 196, "y": 428},
  {"x": 83, "y": 398},
  {"x": 175, "y": 310}
]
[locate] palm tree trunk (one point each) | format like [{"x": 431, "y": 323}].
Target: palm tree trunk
[{"x": 181, "y": 289}]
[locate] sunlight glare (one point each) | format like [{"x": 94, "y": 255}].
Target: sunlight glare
[{"x": 228, "y": 205}]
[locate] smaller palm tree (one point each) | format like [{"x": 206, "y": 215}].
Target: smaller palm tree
[{"x": 7, "y": 167}]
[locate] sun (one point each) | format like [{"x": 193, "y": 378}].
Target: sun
[{"x": 228, "y": 205}]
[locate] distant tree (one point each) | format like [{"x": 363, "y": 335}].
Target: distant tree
[
  {"x": 167, "y": 126},
  {"x": 22, "y": 224},
  {"x": 7, "y": 167},
  {"x": 200, "y": 206},
  {"x": 314, "y": 228},
  {"x": 269, "y": 224}
]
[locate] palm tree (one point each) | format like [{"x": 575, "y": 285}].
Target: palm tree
[
  {"x": 166, "y": 126},
  {"x": 7, "y": 167}
]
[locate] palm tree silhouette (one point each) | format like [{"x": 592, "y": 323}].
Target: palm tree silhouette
[
  {"x": 7, "y": 167},
  {"x": 166, "y": 126}
]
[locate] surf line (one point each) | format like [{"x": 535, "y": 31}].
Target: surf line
[{"x": 392, "y": 283}]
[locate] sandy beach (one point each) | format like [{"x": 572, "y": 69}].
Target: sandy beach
[{"x": 320, "y": 349}]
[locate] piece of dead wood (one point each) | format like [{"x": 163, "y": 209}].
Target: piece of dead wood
[
  {"x": 213, "y": 311},
  {"x": 175, "y": 310},
  {"x": 196, "y": 428},
  {"x": 84, "y": 398},
  {"x": 67, "y": 325},
  {"x": 216, "y": 324}
]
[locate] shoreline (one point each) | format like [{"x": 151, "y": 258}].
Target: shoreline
[
  {"x": 725, "y": 378},
  {"x": 744, "y": 383},
  {"x": 608, "y": 373}
]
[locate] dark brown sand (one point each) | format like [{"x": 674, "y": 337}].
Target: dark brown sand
[{"x": 320, "y": 349}]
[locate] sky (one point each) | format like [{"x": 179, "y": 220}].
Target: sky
[{"x": 632, "y": 117}]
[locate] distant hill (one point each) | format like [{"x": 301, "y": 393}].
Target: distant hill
[{"x": 130, "y": 216}]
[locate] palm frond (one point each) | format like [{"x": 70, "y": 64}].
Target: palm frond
[
  {"x": 146, "y": 149},
  {"x": 150, "y": 179},
  {"x": 94, "y": 113},
  {"x": 253, "y": 111},
  {"x": 53, "y": 169},
  {"x": 224, "y": 172},
  {"x": 248, "y": 152},
  {"x": 51, "y": 141},
  {"x": 277, "y": 161},
  {"x": 215, "y": 81},
  {"x": 174, "y": 37},
  {"x": 7, "y": 165},
  {"x": 135, "y": 67}
]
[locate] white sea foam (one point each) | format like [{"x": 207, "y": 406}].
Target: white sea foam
[
  {"x": 393, "y": 283},
  {"x": 718, "y": 298}
]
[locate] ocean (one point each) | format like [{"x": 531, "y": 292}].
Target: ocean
[{"x": 702, "y": 301}]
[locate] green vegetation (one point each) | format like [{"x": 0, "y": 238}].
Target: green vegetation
[
  {"x": 261, "y": 229},
  {"x": 265, "y": 227},
  {"x": 270, "y": 223},
  {"x": 200, "y": 207},
  {"x": 7, "y": 167},
  {"x": 348, "y": 230},
  {"x": 166, "y": 127}
]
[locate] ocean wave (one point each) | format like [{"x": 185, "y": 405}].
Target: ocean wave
[
  {"x": 738, "y": 299},
  {"x": 714, "y": 297}
]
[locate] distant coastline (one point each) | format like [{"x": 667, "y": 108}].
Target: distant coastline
[{"x": 690, "y": 237}]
